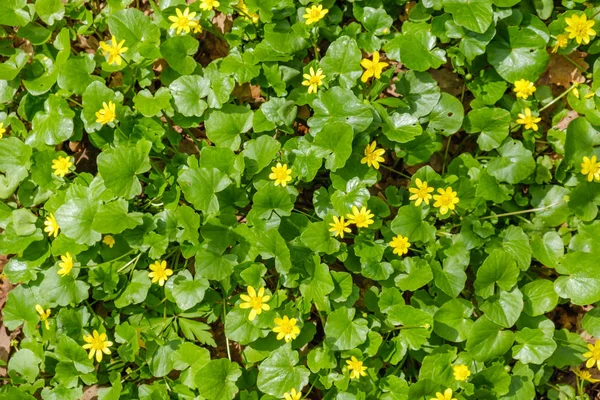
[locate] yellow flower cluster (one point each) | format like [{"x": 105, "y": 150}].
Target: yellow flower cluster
[
  {"x": 446, "y": 199},
  {"x": 591, "y": 168}
]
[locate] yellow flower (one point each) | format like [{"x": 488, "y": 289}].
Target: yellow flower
[
  {"x": 400, "y": 244},
  {"x": 114, "y": 50},
  {"x": 184, "y": 21},
  {"x": 446, "y": 396},
  {"x": 51, "y": 226},
  {"x": 66, "y": 265},
  {"x": 255, "y": 301},
  {"x": 247, "y": 15},
  {"x": 313, "y": 80},
  {"x": 421, "y": 193},
  {"x": 107, "y": 113},
  {"x": 524, "y": 88},
  {"x": 44, "y": 315},
  {"x": 97, "y": 344},
  {"x": 591, "y": 168},
  {"x": 339, "y": 226},
  {"x": 207, "y": 5},
  {"x": 292, "y": 395},
  {"x": 528, "y": 120},
  {"x": 373, "y": 156},
  {"x": 356, "y": 368},
  {"x": 585, "y": 375},
  {"x": 461, "y": 372},
  {"x": 109, "y": 241},
  {"x": 593, "y": 355},
  {"x": 372, "y": 68},
  {"x": 61, "y": 166},
  {"x": 562, "y": 41},
  {"x": 197, "y": 28},
  {"x": 314, "y": 14},
  {"x": 281, "y": 174},
  {"x": 160, "y": 273},
  {"x": 2, "y": 129},
  {"x": 362, "y": 218},
  {"x": 580, "y": 28},
  {"x": 286, "y": 328},
  {"x": 445, "y": 200}
]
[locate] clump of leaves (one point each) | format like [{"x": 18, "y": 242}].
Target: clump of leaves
[{"x": 284, "y": 199}]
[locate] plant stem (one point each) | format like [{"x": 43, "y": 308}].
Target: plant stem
[
  {"x": 224, "y": 314},
  {"x": 397, "y": 172},
  {"x": 521, "y": 212},
  {"x": 558, "y": 98}
]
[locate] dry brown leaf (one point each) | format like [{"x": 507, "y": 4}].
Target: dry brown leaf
[
  {"x": 564, "y": 123},
  {"x": 449, "y": 81},
  {"x": 562, "y": 72}
]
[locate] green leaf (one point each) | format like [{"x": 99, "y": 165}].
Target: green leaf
[
  {"x": 178, "y": 51},
  {"x": 516, "y": 243},
  {"x": 224, "y": 126},
  {"x": 420, "y": 91},
  {"x": 200, "y": 186},
  {"x": 279, "y": 372},
  {"x": 548, "y": 249},
  {"x": 185, "y": 290},
  {"x": 24, "y": 364},
  {"x": 139, "y": 32},
  {"x": 342, "y": 60},
  {"x": 515, "y": 164},
  {"x": 13, "y": 14},
  {"x": 94, "y": 96},
  {"x": 20, "y": 309},
  {"x": 76, "y": 217},
  {"x": 270, "y": 200},
  {"x": 339, "y": 106},
  {"x": 337, "y": 141},
  {"x": 591, "y": 322},
  {"x": 136, "y": 290},
  {"x": 452, "y": 321},
  {"x": 418, "y": 50},
  {"x": 63, "y": 290},
  {"x": 213, "y": 265},
  {"x": 518, "y": 53},
  {"x": 581, "y": 137},
  {"x": 261, "y": 151},
  {"x": 582, "y": 282},
  {"x": 343, "y": 332},
  {"x": 320, "y": 284},
  {"x": 534, "y": 346},
  {"x": 75, "y": 75},
  {"x": 504, "y": 308},
  {"x": 447, "y": 115},
  {"x": 487, "y": 340},
  {"x": 539, "y": 297},
  {"x": 114, "y": 218},
  {"x": 217, "y": 380},
  {"x": 417, "y": 325},
  {"x": 50, "y": 10},
  {"x": 493, "y": 123},
  {"x": 55, "y": 125},
  {"x": 318, "y": 238},
  {"x": 497, "y": 269},
  {"x": 240, "y": 329},
  {"x": 188, "y": 92},
  {"x": 410, "y": 223},
  {"x": 154, "y": 105},
  {"x": 119, "y": 166},
  {"x": 475, "y": 15},
  {"x": 414, "y": 274}
]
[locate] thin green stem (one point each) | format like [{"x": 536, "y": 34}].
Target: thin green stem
[
  {"x": 558, "y": 98},
  {"x": 521, "y": 211},
  {"x": 224, "y": 314},
  {"x": 305, "y": 214},
  {"x": 397, "y": 172},
  {"x": 579, "y": 67}
]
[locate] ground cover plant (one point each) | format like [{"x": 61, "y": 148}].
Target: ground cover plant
[{"x": 287, "y": 199}]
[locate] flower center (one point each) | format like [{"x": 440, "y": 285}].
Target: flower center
[
  {"x": 287, "y": 329},
  {"x": 315, "y": 13},
  {"x": 314, "y": 80},
  {"x": 422, "y": 192},
  {"x": 445, "y": 199},
  {"x": 359, "y": 219},
  {"x": 98, "y": 344},
  {"x": 281, "y": 174},
  {"x": 183, "y": 21},
  {"x": 256, "y": 302},
  {"x": 581, "y": 29}
]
